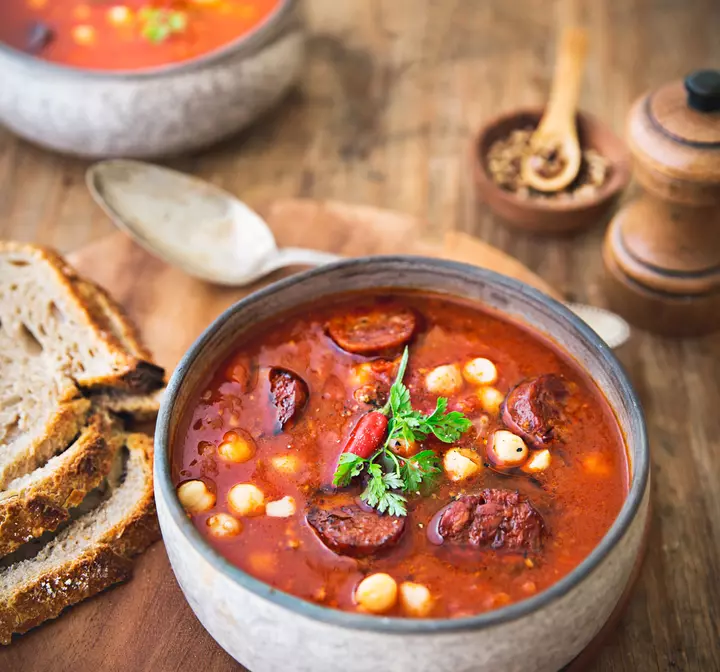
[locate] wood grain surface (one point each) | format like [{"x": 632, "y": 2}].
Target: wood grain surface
[{"x": 392, "y": 93}]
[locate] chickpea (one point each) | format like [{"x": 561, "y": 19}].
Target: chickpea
[
  {"x": 444, "y": 380},
  {"x": 507, "y": 449},
  {"x": 362, "y": 374},
  {"x": 415, "y": 599},
  {"x": 83, "y": 35},
  {"x": 195, "y": 496},
  {"x": 119, "y": 15},
  {"x": 286, "y": 464},
  {"x": 480, "y": 371},
  {"x": 246, "y": 499},
  {"x": 461, "y": 463},
  {"x": 403, "y": 447},
  {"x": 281, "y": 508},
  {"x": 377, "y": 593},
  {"x": 539, "y": 461},
  {"x": 491, "y": 399},
  {"x": 223, "y": 525},
  {"x": 236, "y": 447}
]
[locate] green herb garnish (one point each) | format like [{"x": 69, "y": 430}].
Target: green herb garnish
[
  {"x": 159, "y": 24},
  {"x": 390, "y": 474}
]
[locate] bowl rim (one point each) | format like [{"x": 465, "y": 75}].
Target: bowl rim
[
  {"x": 165, "y": 489},
  {"x": 249, "y": 41},
  {"x": 618, "y": 182}
]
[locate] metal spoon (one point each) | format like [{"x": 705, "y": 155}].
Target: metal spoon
[
  {"x": 556, "y": 134},
  {"x": 210, "y": 234},
  {"x": 191, "y": 224}
]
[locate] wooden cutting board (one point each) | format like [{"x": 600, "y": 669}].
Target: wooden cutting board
[{"x": 146, "y": 624}]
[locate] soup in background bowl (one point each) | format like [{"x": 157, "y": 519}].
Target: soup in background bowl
[
  {"x": 172, "y": 78},
  {"x": 509, "y": 514},
  {"x": 127, "y": 34}
]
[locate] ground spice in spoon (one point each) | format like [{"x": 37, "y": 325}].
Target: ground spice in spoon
[{"x": 504, "y": 161}]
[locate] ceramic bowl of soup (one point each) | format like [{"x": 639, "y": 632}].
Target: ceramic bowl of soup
[
  {"x": 401, "y": 463},
  {"x": 131, "y": 79}
]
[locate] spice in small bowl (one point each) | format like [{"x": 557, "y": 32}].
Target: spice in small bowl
[
  {"x": 497, "y": 154},
  {"x": 505, "y": 157}
]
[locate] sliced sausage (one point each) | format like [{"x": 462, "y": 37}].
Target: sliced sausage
[
  {"x": 38, "y": 36},
  {"x": 534, "y": 408},
  {"x": 498, "y": 519},
  {"x": 351, "y": 530},
  {"x": 289, "y": 393},
  {"x": 370, "y": 330}
]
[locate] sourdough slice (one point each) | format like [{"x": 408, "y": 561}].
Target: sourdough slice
[
  {"x": 113, "y": 317},
  {"x": 88, "y": 556},
  {"x": 46, "y": 310},
  {"x": 42, "y": 500},
  {"x": 138, "y": 407},
  {"x": 40, "y": 414}
]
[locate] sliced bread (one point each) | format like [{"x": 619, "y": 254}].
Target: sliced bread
[
  {"x": 41, "y": 500},
  {"x": 137, "y": 407},
  {"x": 40, "y": 424},
  {"x": 51, "y": 312},
  {"x": 89, "y": 555}
]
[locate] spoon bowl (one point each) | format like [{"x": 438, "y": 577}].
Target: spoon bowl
[{"x": 192, "y": 224}]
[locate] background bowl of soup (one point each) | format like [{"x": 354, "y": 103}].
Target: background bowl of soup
[
  {"x": 131, "y": 79},
  {"x": 267, "y": 628}
]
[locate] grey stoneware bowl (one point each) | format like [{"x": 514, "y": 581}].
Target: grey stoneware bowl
[
  {"x": 270, "y": 631},
  {"x": 153, "y": 112}
]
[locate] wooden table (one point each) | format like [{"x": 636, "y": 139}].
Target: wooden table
[{"x": 390, "y": 99}]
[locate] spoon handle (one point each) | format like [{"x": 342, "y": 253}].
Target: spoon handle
[
  {"x": 567, "y": 81},
  {"x": 299, "y": 256}
]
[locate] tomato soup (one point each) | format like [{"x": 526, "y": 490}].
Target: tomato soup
[
  {"x": 402, "y": 454},
  {"x": 127, "y": 34}
]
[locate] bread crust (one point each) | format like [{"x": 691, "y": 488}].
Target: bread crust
[
  {"x": 45, "y": 503},
  {"x": 66, "y": 423},
  {"x": 106, "y": 563},
  {"x": 138, "y": 407},
  {"x": 132, "y": 371},
  {"x": 111, "y": 367}
]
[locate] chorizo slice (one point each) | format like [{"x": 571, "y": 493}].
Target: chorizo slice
[
  {"x": 289, "y": 393},
  {"x": 496, "y": 519},
  {"x": 353, "y": 531},
  {"x": 371, "y": 330},
  {"x": 534, "y": 409}
]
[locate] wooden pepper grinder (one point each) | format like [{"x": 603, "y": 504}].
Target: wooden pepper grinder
[{"x": 662, "y": 251}]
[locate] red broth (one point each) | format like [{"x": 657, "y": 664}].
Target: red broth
[
  {"x": 579, "y": 495},
  {"x": 127, "y": 34}
]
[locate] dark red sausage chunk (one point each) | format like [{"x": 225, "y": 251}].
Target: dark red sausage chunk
[
  {"x": 372, "y": 330},
  {"x": 534, "y": 408},
  {"x": 350, "y": 530},
  {"x": 497, "y": 519},
  {"x": 289, "y": 394}
]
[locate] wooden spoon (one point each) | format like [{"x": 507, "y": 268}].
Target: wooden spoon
[{"x": 555, "y": 155}]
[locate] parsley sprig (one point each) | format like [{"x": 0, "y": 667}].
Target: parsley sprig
[
  {"x": 158, "y": 23},
  {"x": 389, "y": 474}
]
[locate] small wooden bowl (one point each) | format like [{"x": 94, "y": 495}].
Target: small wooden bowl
[{"x": 551, "y": 216}]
